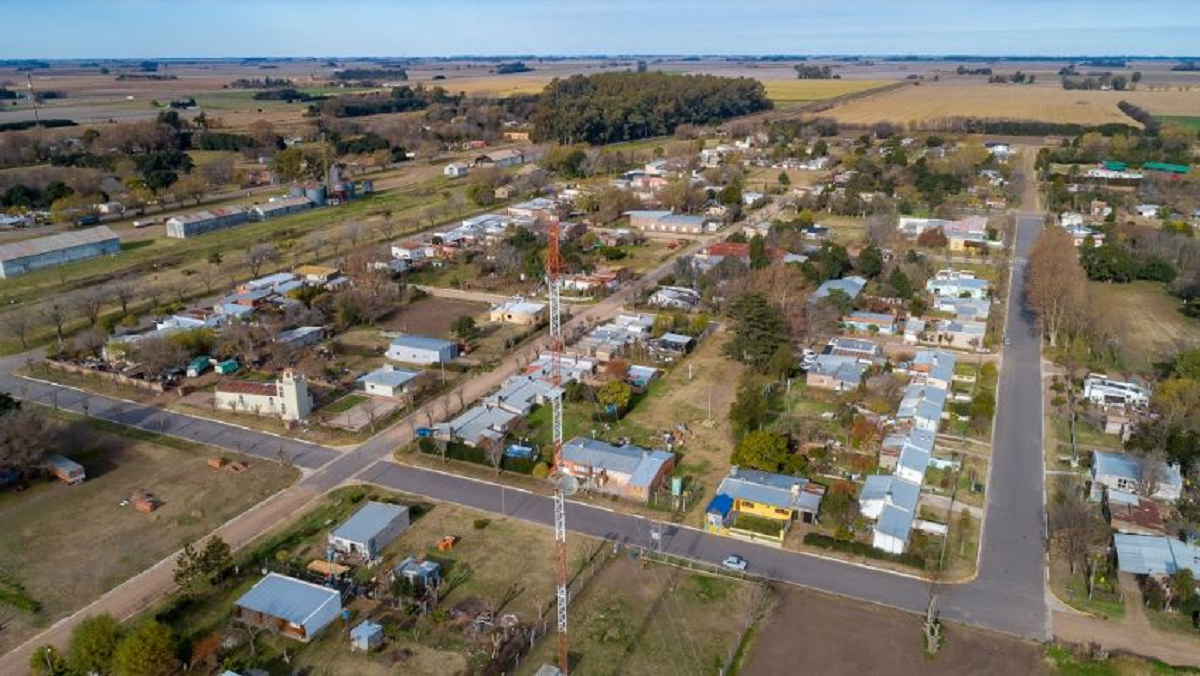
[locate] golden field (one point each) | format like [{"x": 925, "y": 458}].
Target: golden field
[
  {"x": 785, "y": 92},
  {"x": 1048, "y": 103}
]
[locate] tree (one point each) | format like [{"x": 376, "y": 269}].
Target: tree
[
  {"x": 870, "y": 262},
  {"x": 615, "y": 394},
  {"x": 749, "y": 407},
  {"x": 758, "y": 331},
  {"x": 26, "y": 436},
  {"x": 92, "y": 645},
  {"x": 258, "y": 256},
  {"x": 18, "y": 323},
  {"x": 56, "y": 314},
  {"x": 1150, "y": 472},
  {"x": 900, "y": 283},
  {"x": 464, "y": 327},
  {"x": 782, "y": 363},
  {"x": 758, "y": 253},
  {"x": 1056, "y": 287},
  {"x": 90, "y": 302},
  {"x": 148, "y": 650},
  {"x": 784, "y": 179},
  {"x": 933, "y": 238},
  {"x": 762, "y": 450},
  {"x": 1076, "y": 527},
  {"x": 1187, "y": 364},
  {"x": 47, "y": 661},
  {"x": 193, "y": 186},
  {"x": 1183, "y": 587}
]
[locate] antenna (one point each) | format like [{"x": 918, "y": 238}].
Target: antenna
[{"x": 564, "y": 484}]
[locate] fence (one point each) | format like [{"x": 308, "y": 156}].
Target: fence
[{"x": 117, "y": 378}]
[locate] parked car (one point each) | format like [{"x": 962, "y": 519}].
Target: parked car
[
  {"x": 1007, "y": 341},
  {"x": 734, "y": 562}
]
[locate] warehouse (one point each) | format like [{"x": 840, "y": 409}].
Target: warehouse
[
  {"x": 422, "y": 350},
  {"x": 201, "y": 222},
  {"x": 279, "y": 206},
  {"x": 19, "y": 258}
]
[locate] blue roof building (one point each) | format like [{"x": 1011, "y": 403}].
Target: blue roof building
[
  {"x": 366, "y": 636},
  {"x": 629, "y": 472},
  {"x": 851, "y": 286},
  {"x": 422, "y": 350},
  {"x": 294, "y": 608},
  {"x": 1155, "y": 555}
]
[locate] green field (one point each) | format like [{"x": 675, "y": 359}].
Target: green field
[
  {"x": 1151, "y": 327},
  {"x": 1189, "y": 121}
]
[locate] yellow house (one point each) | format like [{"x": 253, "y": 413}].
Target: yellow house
[
  {"x": 761, "y": 506},
  {"x": 519, "y": 311}
]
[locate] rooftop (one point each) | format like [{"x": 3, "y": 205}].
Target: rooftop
[
  {"x": 640, "y": 464},
  {"x": 421, "y": 342},
  {"x": 368, "y": 521},
  {"x": 776, "y": 490},
  {"x": 388, "y": 377},
  {"x": 66, "y": 240},
  {"x": 287, "y": 598}
]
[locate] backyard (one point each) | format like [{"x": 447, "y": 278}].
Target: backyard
[
  {"x": 51, "y": 532},
  {"x": 1150, "y": 323}
]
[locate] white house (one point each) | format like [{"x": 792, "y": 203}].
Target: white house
[
  {"x": 388, "y": 381},
  {"x": 1122, "y": 472},
  {"x": 422, "y": 350},
  {"x": 1100, "y": 390},
  {"x": 957, "y": 283}
]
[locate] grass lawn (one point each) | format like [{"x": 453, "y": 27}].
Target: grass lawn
[
  {"x": 1072, "y": 590},
  {"x": 1063, "y": 662},
  {"x": 1150, "y": 326},
  {"x": 1173, "y": 623},
  {"x": 52, "y": 532},
  {"x": 639, "y": 617},
  {"x": 344, "y": 404},
  {"x": 1188, "y": 121}
]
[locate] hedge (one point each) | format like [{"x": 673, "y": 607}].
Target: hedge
[
  {"x": 460, "y": 451},
  {"x": 862, "y": 549}
]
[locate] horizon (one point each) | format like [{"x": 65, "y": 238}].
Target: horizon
[{"x": 374, "y": 29}]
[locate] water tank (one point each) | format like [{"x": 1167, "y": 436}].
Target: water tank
[{"x": 316, "y": 193}]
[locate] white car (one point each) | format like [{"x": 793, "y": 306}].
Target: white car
[{"x": 734, "y": 562}]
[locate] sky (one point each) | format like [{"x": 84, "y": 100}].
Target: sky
[{"x": 50, "y": 29}]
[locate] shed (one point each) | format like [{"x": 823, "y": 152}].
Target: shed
[
  {"x": 295, "y": 608},
  {"x": 370, "y": 529},
  {"x": 366, "y": 636},
  {"x": 387, "y": 381},
  {"x": 415, "y": 349},
  {"x": 420, "y": 574}
]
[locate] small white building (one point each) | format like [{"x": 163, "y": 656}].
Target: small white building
[
  {"x": 456, "y": 170},
  {"x": 389, "y": 381},
  {"x": 374, "y": 526},
  {"x": 1122, "y": 472},
  {"x": 1102, "y": 390},
  {"x": 422, "y": 350}
]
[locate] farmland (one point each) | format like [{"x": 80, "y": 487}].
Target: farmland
[
  {"x": 1040, "y": 102},
  {"x": 52, "y": 532},
  {"x": 790, "y": 92}
]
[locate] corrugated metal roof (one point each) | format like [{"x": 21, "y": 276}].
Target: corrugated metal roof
[
  {"x": 367, "y": 522},
  {"x": 51, "y": 243},
  {"x": 422, "y": 342},
  {"x": 771, "y": 489},
  {"x": 640, "y": 464},
  {"x": 288, "y": 598}
]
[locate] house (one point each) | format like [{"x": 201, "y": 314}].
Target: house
[
  {"x": 1128, "y": 513},
  {"x": 934, "y": 368},
  {"x": 301, "y": 336},
  {"x": 852, "y": 286},
  {"x": 374, "y": 526},
  {"x": 1123, "y": 472},
  {"x": 753, "y": 199},
  {"x": 1081, "y": 234},
  {"x": 479, "y": 426},
  {"x": 914, "y": 330},
  {"x": 959, "y": 284},
  {"x": 831, "y": 372},
  {"x": 201, "y": 222},
  {"x": 410, "y": 251},
  {"x": 320, "y": 275},
  {"x": 666, "y": 221},
  {"x": 870, "y": 322},
  {"x": 269, "y": 283},
  {"x": 922, "y": 406},
  {"x": 675, "y": 298},
  {"x": 762, "y": 495},
  {"x": 1148, "y": 210},
  {"x": 961, "y": 334},
  {"x": 712, "y": 255},
  {"x": 536, "y": 208},
  {"x": 415, "y": 349},
  {"x": 366, "y": 636},
  {"x": 1155, "y": 555},
  {"x": 675, "y": 343},
  {"x": 500, "y": 159},
  {"x": 966, "y": 233},
  {"x": 389, "y": 381},
  {"x": 963, "y": 308},
  {"x": 572, "y": 367},
  {"x": 604, "y": 279},
  {"x": 862, "y": 350},
  {"x": 18, "y": 258},
  {"x": 519, "y": 311},
  {"x": 520, "y": 394},
  {"x": 1102, "y": 390},
  {"x": 881, "y": 490},
  {"x": 287, "y": 398},
  {"x": 456, "y": 170},
  {"x": 420, "y": 574},
  {"x": 291, "y": 607},
  {"x": 280, "y": 206},
  {"x": 629, "y": 472}
]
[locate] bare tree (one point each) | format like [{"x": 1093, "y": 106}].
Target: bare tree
[
  {"x": 26, "y": 436},
  {"x": 1151, "y": 472},
  {"x": 124, "y": 292},
  {"x": 353, "y": 231},
  {"x": 18, "y": 323},
  {"x": 258, "y": 256},
  {"x": 495, "y": 453},
  {"x": 56, "y": 314},
  {"x": 90, "y": 302},
  {"x": 207, "y": 277},
  {"x": 160, "y": 354},
  {"x": 1057, "y": 285},
  {"x": 1076, "y": 527}
]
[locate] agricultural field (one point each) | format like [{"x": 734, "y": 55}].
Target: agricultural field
[
  {"x": 637, "y": 617},
  {"x": 1047, "y": 103},
  {"x": 1150, "y": 324},
  {"x": 495, "y": 85},
  {"x": 791, "y": 92},
  {"x": 51, "y": 532}
]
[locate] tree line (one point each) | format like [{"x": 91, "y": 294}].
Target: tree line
[{"x": 614, "y": 107}]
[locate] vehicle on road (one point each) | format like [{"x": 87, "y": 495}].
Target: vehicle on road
[
  {"x": 1007, "y": 341},
  {"x": 734, "y": 562}
]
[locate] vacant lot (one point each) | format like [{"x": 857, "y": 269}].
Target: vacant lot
[
  {"x": 67, "y": 545},
  {"x": 788, "y": 92},
  {"x": 811, "y": 633},
  {"x": 1149, "y": 322},
  {"x": 1038, "y": 102},
  {"x": 638, "y": 617},
  {"x": 432, "y": 316}
]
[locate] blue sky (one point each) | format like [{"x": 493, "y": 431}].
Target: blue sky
[{"x": 212, "y": 28}]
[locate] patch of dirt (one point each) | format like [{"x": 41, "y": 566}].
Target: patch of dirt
[
  {"x": 811, "y": 633},
  {"x": 431, "y": 317}
]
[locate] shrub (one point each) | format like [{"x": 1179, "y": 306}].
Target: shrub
[
  {"x": 480, "y": 524},
  {"x": 862, "y": 549},
  {"x": 541, "y": 470}
]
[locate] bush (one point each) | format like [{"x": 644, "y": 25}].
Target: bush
[
  {"x": 480, "y": 524},
  {"x": 862, "y": 549},
  {"x": 541, "y": 470}
]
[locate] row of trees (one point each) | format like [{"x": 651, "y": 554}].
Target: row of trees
[
  {"x": 612, "y": 107},
  {"x": 99, "y": 645}
]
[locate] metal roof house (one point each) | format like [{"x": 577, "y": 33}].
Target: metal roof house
[
  {"x": 1123, "y": 472},
  {"x": 519, "y": 311},
  {"x": 370, "y": 529},
  {"x": 280, "y": 206},
  {"x": 19, "y": 258},
  {"x": 629, "y": 472},
  {"x": 851, "y": 286},
  {"x": 835, "y": 372},
  {"x": 521, "y": 394},
  {"x": 762, "y": 494},
  {"x": 1155, "y": 555},
  {"x": 422, "y": 350},
  {"x": 294, "y": 608},
  {"x": 201, "y": 222},
  {"x": 388, "y": 381},
  {"x": 479, "y": 425}
]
